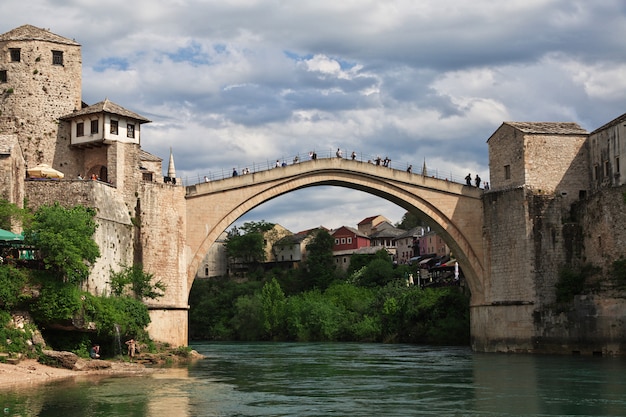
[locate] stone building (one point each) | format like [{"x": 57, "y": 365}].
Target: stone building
[
  {"x": 40, "y": 81},
  {"x": 43, "y": 120},
  {"x": 606, "y": 145}
]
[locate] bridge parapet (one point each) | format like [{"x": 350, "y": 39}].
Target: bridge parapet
[{"x": 324, "y": 165}]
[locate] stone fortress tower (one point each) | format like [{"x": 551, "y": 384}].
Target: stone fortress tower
[
  {"x": 43, "y": 120},
  {"x": 543, "y": 212},
  {"x": 40, "y": 81}
]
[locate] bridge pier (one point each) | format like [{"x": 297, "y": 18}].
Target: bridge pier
[
  {"x": 169, "y": 325},
  {"x": 502, "y": 328}
]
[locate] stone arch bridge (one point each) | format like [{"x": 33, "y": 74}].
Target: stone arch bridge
[{"x": 453, "y": 210}]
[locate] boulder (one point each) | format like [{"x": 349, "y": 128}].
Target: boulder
[
  {"x": 59, "y": 359},
  {"x": 91, "y": 365}
]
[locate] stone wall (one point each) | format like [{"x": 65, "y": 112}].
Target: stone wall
[
  {"x": 12, "y": 170},
  {"x": 557, "y": 164},
  {"x": 160, "y": 213},
  {"x": 114, "y": 234}
]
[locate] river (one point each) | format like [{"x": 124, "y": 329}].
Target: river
[{"x": 343, "y": 379}]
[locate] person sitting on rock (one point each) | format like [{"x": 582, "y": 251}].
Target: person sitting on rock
[{"x": 94, "y": 353}]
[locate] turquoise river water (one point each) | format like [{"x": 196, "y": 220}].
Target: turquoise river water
[{"x": 342, "y": 379}]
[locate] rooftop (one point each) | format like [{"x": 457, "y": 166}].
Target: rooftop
[{"x": 33, "y": 33}]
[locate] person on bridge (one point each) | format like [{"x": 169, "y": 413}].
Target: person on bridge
[
  {"x": 468, "y": 179},
  {"x": 277, "y": 164},
  {"x": 338, "y": 153},
  {"x": 353, "y": 156},
  {"x": 206, "y": 179},
  {"x": 235, "y": 173},
  {"x": 296, "y": 159},
  {"x": 409, "y": 169},
  {"x": 477, "y": 181}
]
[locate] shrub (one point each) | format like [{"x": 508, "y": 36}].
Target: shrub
[{"x": 570, "y": 284}]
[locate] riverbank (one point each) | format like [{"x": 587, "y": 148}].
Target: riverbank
[{"x": 31, "y": 372}]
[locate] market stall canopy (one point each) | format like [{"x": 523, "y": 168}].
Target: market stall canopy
[
  {"x": 44, "y": 171},
  {"x": 7, "y": 236}
]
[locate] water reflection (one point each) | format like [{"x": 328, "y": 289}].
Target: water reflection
[{"x": 282, "y": 379}]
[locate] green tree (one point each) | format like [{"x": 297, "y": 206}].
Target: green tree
[
  {"x": 273, "y": 302},
  {"x": 319, "y": 264},
  {"x": 64, "y": 238},
  {"x": 247, "y": 243},
  {"x": 139, "y": 282},
  {"x": 409, "y": 221},
  {"x": 10, "y": 214}
]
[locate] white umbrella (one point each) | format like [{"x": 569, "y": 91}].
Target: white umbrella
[{"x": 44, "y": 171}]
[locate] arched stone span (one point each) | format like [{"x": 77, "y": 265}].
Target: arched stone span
[{"x": 454, "y": 210}]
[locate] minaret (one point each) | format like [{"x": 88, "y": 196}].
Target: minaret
[
  {"x": 171, "y": 169},
  {"x": 424, "y": 171}
]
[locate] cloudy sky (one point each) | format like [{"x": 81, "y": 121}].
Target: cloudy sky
[{"x": 241, "y": 83}]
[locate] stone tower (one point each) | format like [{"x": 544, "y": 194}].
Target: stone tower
[
  {"x": 40, "y": 81},
  {"x": 537, "y": 170}
]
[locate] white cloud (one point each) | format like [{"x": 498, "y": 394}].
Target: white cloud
[{"x": 231, "y": 84}]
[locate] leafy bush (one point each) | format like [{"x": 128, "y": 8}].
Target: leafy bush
[
  {"x": 136, "y": 280},
  {"x": 12, "y": 281},
  {"x": 57, "y": 302},
  {"x": 64, "y": 238},
  {"x": 570, "y": 284},
  {"x": 619, "y": 272}
]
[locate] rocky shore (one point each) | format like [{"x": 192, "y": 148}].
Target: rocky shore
[{"x": 66, "y": 365}]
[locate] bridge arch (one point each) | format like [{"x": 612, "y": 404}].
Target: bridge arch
[{"x": 453, "y": 210}]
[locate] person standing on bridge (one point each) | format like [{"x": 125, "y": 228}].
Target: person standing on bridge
[
  {"x": 477, "y": 181},
  {"x": 235, "y": 173},
  {"x": 409, "y": 169},
  {"x": 353, "y": 156},
  {"x": 468, "y": 179},
  {"x": 338, "y": 153}
]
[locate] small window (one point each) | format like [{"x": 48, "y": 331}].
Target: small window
[
  {"x": 336, "y": 241},
  {"x": 349, "y": 240},
  {"x": 16, "y": 54},
  {"x": 114, "y": 127},
  {"x": 206, "y": 271},
  {"x": 80, "y": 129},
  {"x": 146, "y": 176},
  {"x": 94, "y": 126},
  {"x": 596, "y": 172},
  {"x": 130, "y": 131},
  {"x": 57, "y": 57},
  {"x": 606, "y": 169},
  {"x": 617, "y": 164},
  {"x": 507, "y": 172},
  {"x": 3, "y": 76},
  {"x": 343, "y": 240}
]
